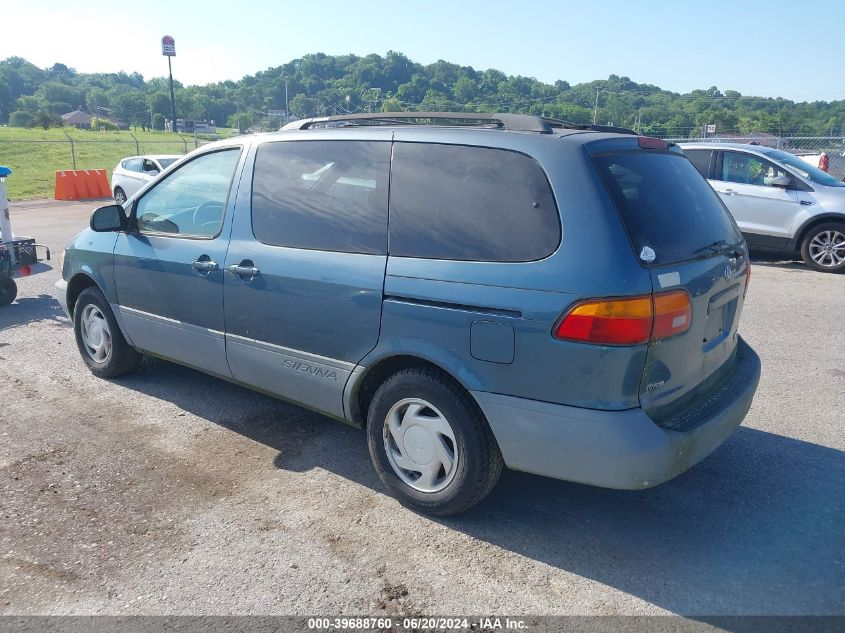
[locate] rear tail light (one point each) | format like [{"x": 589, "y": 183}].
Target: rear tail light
[
  {"x": 612, "y": 322},
  {"x": 629, "y": 321},
  {"x": 672, "y": 314}
]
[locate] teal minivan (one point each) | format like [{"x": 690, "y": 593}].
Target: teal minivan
[{"x": 474, "y": 290}]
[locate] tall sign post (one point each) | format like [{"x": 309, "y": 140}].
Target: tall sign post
[{"x": 168, "y": 49}]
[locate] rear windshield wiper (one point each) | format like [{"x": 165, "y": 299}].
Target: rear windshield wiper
[{"x": 714, "y": 247}]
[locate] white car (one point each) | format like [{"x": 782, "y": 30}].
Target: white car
[
  {"x": 780, "y": 202},
  {"x": 136, "y": 171}
]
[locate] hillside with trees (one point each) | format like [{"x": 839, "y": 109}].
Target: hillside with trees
[{"x": 319, "y": 84}]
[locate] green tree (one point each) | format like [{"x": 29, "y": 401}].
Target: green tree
[
  {"x": 45, "y": 120},
  {"x": 240, "y": 120},
  {"x": 20, "y": 118}
]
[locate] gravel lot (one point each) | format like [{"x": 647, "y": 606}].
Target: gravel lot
[{"x": 170, "y": 492}]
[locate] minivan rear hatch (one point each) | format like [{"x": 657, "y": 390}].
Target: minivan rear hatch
[{"x": 683, "y": 235}]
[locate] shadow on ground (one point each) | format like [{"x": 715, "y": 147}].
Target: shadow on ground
[
  {"x": 769, "y": 260},
  {"x": 756, "y": 529},
  {"x": 30, "y": 310}
]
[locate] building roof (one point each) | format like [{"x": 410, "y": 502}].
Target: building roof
[{"x": 77, "y": 117}]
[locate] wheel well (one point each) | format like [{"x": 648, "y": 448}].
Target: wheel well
[
  {"x": 828, "y": 219},
  {"x": 384, "y": 369},
  {"x": 75, "y": 286}
]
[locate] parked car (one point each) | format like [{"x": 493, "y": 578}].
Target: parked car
[
  {"x": 134, "y": 172},
  {"x": 560, "y": 299},
  {"x": 780, "y": 202}
]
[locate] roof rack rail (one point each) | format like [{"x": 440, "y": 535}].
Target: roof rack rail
[{"x": 501, "y": 120}]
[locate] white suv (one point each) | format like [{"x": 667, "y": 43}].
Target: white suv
[
  {"x": 134, "y": 172},
  {"x": 780, "y": 202}
]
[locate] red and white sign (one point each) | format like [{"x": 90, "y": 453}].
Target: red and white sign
[{"x": 168, "y": 46}]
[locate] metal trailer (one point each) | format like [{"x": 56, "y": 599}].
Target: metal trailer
[{"x": 17, "y": 254}]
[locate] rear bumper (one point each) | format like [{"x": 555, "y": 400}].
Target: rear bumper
[{"x": 614, "y": 449}]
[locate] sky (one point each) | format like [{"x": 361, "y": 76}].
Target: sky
[{"x": 773, "y": 48}]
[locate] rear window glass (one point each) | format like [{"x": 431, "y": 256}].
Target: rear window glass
[
  {"x": 470, "y": 204},
  {"x": 666, "y": 205},
  {"x": 700, "y": 158}
]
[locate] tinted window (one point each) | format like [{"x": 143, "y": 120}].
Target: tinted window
[
  {"x": 324, "y": 195},
  {"x": 748, "y": 169},
  {"x": 665, "y": 204},
  {"x": 700, "y": 158},
  {"x": 190, "y": 200},
  {"x": 470, "y": 203}
]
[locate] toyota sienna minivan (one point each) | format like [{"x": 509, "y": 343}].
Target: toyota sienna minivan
[{"x": 474, "y": 290}]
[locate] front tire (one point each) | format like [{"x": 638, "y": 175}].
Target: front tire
[
  {"x": 430, "y": 444},
  {"x": 100, "y": 341},
  {"x": 8, "y": 291},
  {"x": 119, "y": 195},
  {"x": 823, "y": 248}
]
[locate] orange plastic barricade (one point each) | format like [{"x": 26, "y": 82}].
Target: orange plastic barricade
[{"x": 82, "y": 184}]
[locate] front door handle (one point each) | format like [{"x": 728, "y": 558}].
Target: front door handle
[
  {"x": 205, "y": 265},
  {"x": 244, "y": 271}
]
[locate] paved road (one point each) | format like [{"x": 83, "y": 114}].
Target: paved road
[{"x": 172, "y": 492}]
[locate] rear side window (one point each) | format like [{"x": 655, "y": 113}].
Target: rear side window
[
  {"x": 665, "y": 204},
  {"x": 322, "y": 195},
  {"x": 700, "y": 158},
  {"x": 471, "y": 204},
  {"x": 133, "y": 164}
]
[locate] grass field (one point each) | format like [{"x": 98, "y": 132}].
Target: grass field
[{"x": 35, "y": 155}]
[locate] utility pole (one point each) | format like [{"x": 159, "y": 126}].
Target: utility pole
[
  {"x": 168, "y": 49},
  {"x": 596, "y": 107}
]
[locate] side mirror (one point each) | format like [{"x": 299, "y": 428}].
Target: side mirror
[
  {"x": 110, "y": 218},
  {"x": 153, "y": 172},
  {"x": 781, "y": 181}
]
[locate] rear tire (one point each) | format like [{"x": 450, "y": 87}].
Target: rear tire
[
  {"x": 100, "y": 341},
  {"x": 8, "y": 291},
  {"x": 119, "y": 195},
  {"x": 823, "y": 248},
  {"x": 430, "y": 444}
]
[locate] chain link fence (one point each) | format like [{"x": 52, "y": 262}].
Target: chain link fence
[
  {"x": 809, "y": 148},
  {"x": 34, "y": 162}
]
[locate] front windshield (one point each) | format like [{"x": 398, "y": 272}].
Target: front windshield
[{"x": 806, "y": 169}]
